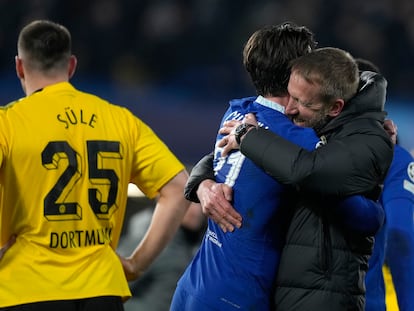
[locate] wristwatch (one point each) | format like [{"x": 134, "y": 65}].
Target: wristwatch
[{"x": 241, "y": 130}]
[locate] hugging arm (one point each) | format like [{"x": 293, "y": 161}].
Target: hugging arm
[
  {"x": 361, "y": 214},
  {"x": 201, "y": 171},
  {"x": 215, "y": 198},
  {"x": 352, "y": 164}
]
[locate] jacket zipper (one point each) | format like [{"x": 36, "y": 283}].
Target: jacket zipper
[{"x": 326, "y": 249}]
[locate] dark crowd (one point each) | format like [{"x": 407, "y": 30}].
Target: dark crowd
[{"x": 196, "y": 44}]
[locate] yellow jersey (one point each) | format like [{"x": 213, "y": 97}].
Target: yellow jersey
[{"x": 66, "y": 159}]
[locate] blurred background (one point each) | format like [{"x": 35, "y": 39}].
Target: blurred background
[{"x": 176, "y": 63}]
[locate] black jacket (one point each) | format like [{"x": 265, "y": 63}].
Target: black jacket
[{"x": 323, "y": 265}]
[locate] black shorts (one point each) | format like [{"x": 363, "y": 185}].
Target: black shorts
[{"x": 104, "y": 303}]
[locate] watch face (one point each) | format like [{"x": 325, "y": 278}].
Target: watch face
[
  {"x": 240, "y": 131},
  {"x": 240, "y": 128}
]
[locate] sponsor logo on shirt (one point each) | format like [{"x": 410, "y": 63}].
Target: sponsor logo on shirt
[
  {"x": 80, "y": 238},
  {"x": 323, "y": 141},
  {"x": 212, "y": 237}
]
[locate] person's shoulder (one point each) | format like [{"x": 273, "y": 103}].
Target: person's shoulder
[
  {"x": 402, "y": 154},
  {"x": 402, "y": 165},
  {"x": 364, "y": 125},
  {"x": 400, "y": 177},
  {"x": 401, "y": 150},
  {"x": 103, "y": 101},
  {"x": 242, "y": 102},
  {"x": 10, "y": 105}
]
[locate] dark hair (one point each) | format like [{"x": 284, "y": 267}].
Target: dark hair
[
  {"x": 44, "y": 45},
  {"x": 268, "y": 53}
]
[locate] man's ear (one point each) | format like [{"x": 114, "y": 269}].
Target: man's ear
[
  {"x": 19, "y": 67},
  {"x": 336, "y": 108},
  {"x": 72, "y": 66}
]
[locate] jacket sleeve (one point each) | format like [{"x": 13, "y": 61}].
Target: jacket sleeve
[
  {"x": 353, "y": 164},
  {"x": 201, "y": 171}
]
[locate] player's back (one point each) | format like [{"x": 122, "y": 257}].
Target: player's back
[
  {"x": 228, "y": 265},
  {"x": 66, "y": 164}
]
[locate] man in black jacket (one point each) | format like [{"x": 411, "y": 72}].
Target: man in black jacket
[{"x": 324, "y": 262}]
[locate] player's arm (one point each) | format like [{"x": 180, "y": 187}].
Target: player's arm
[
  {"x": 203, "y": 170},
  {"x": 281, "y": 125},
  {"x": 361, "y": 215},
  {"x": 345, "y": 166},
  {"x": 169, "y": 211},
  {"x": 215, "y": 198}
]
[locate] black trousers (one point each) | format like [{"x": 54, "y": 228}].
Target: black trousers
[{"x": 104, "y": 303}]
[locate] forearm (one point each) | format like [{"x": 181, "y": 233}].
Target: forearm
[
  {"x": 262, "y": 147},
  {"x": 165, "y": 223},
  {"x": 193, "y": 219},
  {"x": 167, "y": 217},
  {"x": 201, "y": 171}
]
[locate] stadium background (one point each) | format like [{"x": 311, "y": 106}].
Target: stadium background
[{"x": 176, "y": 64}]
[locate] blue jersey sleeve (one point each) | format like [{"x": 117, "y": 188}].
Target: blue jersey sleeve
[
  {"x": 280, "y": 124},
  {"x": 361, "y": 214}
]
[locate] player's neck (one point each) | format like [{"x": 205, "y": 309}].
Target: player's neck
[{"x": 35, "y": 83}]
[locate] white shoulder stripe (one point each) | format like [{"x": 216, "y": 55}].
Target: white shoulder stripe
[{"x": 409, "y": 186}]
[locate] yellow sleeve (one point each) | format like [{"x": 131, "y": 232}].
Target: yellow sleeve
[{"x": 155, "y": 164}]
